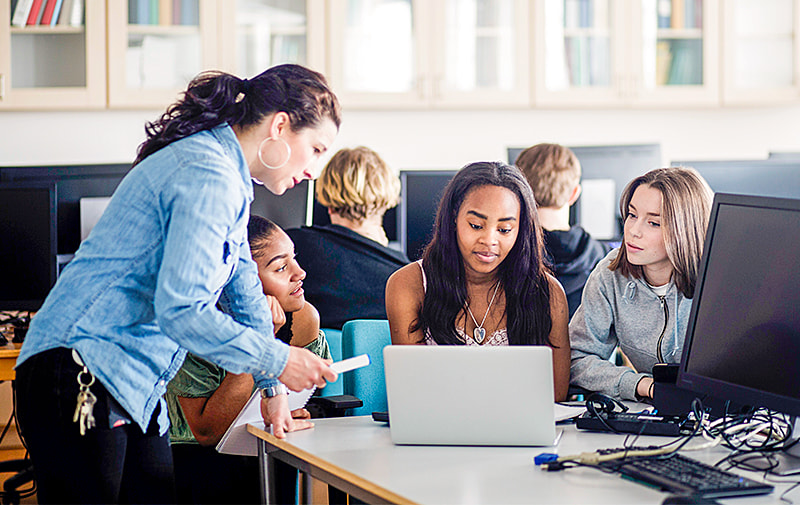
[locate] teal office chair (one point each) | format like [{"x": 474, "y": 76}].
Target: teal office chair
[
  {"x": 335, "y": 342},
  {"x": 366, "y": 336}
]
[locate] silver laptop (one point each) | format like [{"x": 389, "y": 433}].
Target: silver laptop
[{"x": 465, "y": 395}]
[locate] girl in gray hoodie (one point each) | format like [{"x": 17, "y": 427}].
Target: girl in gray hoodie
[{"x": 639, "y": 296}]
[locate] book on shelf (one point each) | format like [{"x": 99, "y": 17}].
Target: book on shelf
[
  {"x": 190, "y": 13},
  {"x": 35, "y": 13},
  {"x": 664, "y": 13},
  {"x": 154, "y": 12},
  {"x": 76, "y": 14},
  {"x": 21, "y": 11},
  {"x": 56, "y": 12},
  {"x": 66, "y": 12},
  {"x": 663, "y": 62},
  {"x": 165, "y": 12},
  {"x": 47, "y": 12}
]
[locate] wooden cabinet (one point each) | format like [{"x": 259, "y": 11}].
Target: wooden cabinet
[
  {"x": 761, "y": 51},
  {"x": 258, "y": 34},
  {"x": 384, "y": 54},
  {"x": 60, "y": 65},
  {"x": 626, "y": 52},
  {"x": 156, "y": 47},
  {"x": 416, "y": 53}
]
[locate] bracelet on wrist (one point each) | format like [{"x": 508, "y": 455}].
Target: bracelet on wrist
[{"x": 277, "y": 389}]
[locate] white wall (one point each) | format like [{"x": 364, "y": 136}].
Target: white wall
[{"x": 435, "y": 139}]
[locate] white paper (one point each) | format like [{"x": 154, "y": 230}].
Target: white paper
[
  {"x": 237, "y": 440},
  {"x": 564, "y": 412}
]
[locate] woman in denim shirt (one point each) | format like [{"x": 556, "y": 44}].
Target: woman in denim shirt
[{"x": 144, "y": 288}]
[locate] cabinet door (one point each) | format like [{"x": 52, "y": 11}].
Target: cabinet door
[
  {"x": 258, "y": 34},
  {"x": 675, "y": 52},
  {"x": 378, "y": 52},
  {"x": 56, "y": 65},
  {"x": 581, "y": 57},
  {"x": 155, "y": 47},
  {"x": 761, "y": 51},
  {"x": 480, "y": 56}
]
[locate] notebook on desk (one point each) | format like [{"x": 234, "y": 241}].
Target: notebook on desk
[{"x": 459, "y": 395}]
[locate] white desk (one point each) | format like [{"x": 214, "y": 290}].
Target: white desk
[{"x": 356, "y": 455}]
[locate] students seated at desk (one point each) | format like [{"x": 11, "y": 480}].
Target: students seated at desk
[
  {"x": 203, "y": 399},
  {"x": 349, "y": 261},
  {"x": 482, "y": 278},
  {"x": 639, "y": 295},
  {"x": 554, "y": 173}
]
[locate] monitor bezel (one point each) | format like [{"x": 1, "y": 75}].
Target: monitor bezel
[{"x": 717, "y": 388}]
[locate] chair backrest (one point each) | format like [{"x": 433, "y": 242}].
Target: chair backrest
[
  {"x": 334, "y": 338},
  {"x": 369, "y": 336}
]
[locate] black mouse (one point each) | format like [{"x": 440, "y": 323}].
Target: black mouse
[{"x": 688, "y": 499}]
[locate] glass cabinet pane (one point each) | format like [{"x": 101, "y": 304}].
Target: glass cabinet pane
[
  {"x": 764, "y": 43},
  {"x": 48, "y": 53},
  {"x": 270, "y": 32},
  {"x": 672, "y": 49},
  {"x": 379, "y": 44},
  {"x": 578, "y": 49},
  {"x": 164, "y": 46},
  {"x": 479, "y": 45}
]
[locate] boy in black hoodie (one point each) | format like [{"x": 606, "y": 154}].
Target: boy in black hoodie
[{"x": 554, "y": 173}]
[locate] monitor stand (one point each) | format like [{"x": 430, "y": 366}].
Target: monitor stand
[{"x": 789, "y": 460}]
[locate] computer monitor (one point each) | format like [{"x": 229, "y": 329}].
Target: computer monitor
[
  {"x": 743, "y": 335},
  {"x": 72, "y": 182},
  {"x": 289, "y": 210},
  {"x": 605, "y": 171},
  {"x": 416, "y": 214},
  {"x": 769, "y": 177},
  {"x": 28, "y": 248}
]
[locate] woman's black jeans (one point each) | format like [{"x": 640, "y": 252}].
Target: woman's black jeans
[{"x": 106, "y": 465}]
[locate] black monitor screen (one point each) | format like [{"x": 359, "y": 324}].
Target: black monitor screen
[
  {"x": 287, "y": 210},
  {"x": 743, "y": 338},
  {"x": 28, "y": 250},
  {"x": 420, "y": 195},
  {"x": 73, "y": 182}
]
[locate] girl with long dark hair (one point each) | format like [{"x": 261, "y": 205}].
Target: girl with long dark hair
[{"x": 482, "y": 278}]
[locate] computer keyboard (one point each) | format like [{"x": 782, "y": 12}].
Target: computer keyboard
[{"x": 678, "y": 474}]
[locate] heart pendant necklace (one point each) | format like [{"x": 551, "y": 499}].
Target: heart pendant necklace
[{"x": 479, "y": 333}]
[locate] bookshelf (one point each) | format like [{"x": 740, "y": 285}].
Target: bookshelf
[
  {"x": 59, "y": 64},
  {"x": 155, "y": 47},
  {"x": 401, "y": 54},
  {"x": 657, "y": 53},
  {"x": 761, "y": 52}
]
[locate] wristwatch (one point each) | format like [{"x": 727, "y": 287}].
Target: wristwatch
[{"x": 277, "y": 389}]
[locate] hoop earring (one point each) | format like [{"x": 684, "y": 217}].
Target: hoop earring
[{"x": 274, "y": 167}]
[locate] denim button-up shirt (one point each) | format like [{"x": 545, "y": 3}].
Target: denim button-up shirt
[{"x": 144, "y": 286}]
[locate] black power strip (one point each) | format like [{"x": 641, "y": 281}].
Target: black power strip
[{"x": 641, "y": 423}]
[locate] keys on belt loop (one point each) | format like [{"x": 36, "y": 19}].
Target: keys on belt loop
[{"x": 86, "y": 399}]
